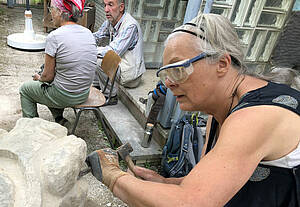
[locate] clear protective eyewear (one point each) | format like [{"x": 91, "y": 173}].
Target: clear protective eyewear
[{"x": 179, "y": 72}]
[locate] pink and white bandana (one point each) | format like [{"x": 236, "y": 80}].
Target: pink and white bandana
[{"x": 65, "y": 5}]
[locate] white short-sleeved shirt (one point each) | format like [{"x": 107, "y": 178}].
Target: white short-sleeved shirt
[{"x": 75, "y": 52}]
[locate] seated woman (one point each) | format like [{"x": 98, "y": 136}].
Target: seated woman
[
  {"x": 252, "y": 152},
  {"x": 70, "y": 64}
]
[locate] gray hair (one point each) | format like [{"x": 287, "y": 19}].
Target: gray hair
[
  {"x": 67, "y": 16},
  {"x": 283, "y": 75},
  {"x": 120, "y": 2},
  {"x": 215, "y": 35}
]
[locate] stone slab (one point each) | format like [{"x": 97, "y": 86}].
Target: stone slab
[
  {"x": 127, "y": 129},
  {"x": 130, "y": 98},
  {"x": 148, "y": 83}
]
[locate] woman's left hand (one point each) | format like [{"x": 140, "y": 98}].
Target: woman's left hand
[{"x": 148, "y": 175}]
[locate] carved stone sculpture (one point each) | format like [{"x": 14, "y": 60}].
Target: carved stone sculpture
[{"x": 39, "y": 165}]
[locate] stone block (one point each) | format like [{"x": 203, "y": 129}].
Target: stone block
[
  {"x": 6, "y": 191},
  {"x": 2, "y": 132},
  {"x": 40, "y": 165},
  {"x": 61, "y": 165}
]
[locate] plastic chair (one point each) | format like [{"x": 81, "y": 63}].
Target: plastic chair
[{"x": 96, "y": 99}]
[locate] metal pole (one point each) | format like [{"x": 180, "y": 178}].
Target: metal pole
[
  {"x": 208, "y": 6},
  {"x": 297, "y": 5},
  {"x": 192, "y": 10},
  {"x": 27, "y": 5}
]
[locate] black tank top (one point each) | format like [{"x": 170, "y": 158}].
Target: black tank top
[{"x": 269, "y": 186}]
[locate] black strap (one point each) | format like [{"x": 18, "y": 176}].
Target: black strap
[
  {"x": 195, "y": 138},
  {"x": 296, "y": 173},
  {"x": 212, "y": 134}
]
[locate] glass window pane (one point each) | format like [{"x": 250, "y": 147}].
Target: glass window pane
[
  {"x": 274, "y": 3},
  {"x": 235, "y": 12},
  {"x": 244, "y": 35},
  {"x": 257, "y": 41},
  {"x": 270, "y": 19},
  {"x": 252, "y": 13},
  {"x": 268, "y": 46}
]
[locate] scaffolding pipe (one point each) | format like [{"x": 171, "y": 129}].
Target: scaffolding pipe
[
  {"x": 27, "y": 5},
  {"x": 208, "y": 6},
  {"x": 192, "y": 10}
]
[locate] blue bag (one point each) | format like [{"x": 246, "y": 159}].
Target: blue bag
[{"x": 183, "y": 148}]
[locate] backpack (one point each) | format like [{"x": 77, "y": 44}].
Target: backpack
[{"x": 183, "y": 148}]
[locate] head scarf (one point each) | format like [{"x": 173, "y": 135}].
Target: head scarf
[{"x": 66, "y": 5}]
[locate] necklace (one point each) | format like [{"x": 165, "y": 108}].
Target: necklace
[{"x": 234, "y": 94}]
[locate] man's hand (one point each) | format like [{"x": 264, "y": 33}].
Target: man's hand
[
  {"x": 110, "y": 167},
  {"x": 36, "y": 77}
]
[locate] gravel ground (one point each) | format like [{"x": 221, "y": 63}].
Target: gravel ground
[{"x": 16, "y": 67}]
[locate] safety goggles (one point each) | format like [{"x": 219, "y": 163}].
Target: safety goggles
[{"x": 179, "y": 72}]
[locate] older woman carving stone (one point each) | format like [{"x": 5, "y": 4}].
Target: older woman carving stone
[{"x": 252, "y": 154}]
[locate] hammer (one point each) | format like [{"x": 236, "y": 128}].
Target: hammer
[{"x": 123, "y": 152}]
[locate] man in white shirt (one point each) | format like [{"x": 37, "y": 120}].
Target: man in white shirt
[{"x": 126, "y": 39}]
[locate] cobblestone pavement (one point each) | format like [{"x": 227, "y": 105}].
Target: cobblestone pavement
[{"x": 16, "y": 67}]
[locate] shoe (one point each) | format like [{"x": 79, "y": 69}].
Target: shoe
[
  {"x": 112, "y": 101},
  {"x": 98, "y": 87},
  {"x": 65, "y": 123}
]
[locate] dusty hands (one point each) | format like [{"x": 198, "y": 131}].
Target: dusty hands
[{"x": 110, "y": 167}]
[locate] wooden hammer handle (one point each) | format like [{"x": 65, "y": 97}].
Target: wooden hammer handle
[{"x": 130, "y": 165}]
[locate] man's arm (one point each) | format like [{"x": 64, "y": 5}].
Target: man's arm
[
  {"x": 126, "y": 40},
  {"x": 102, "y": 33}
]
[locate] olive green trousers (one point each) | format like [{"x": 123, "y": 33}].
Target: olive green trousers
[{"x": 36, "y": 92}]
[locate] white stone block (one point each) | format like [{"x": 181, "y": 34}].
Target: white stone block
[{"x": 39, "y": 166}]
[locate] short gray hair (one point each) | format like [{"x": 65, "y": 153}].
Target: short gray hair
[{"x": 120, "y": 2}]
